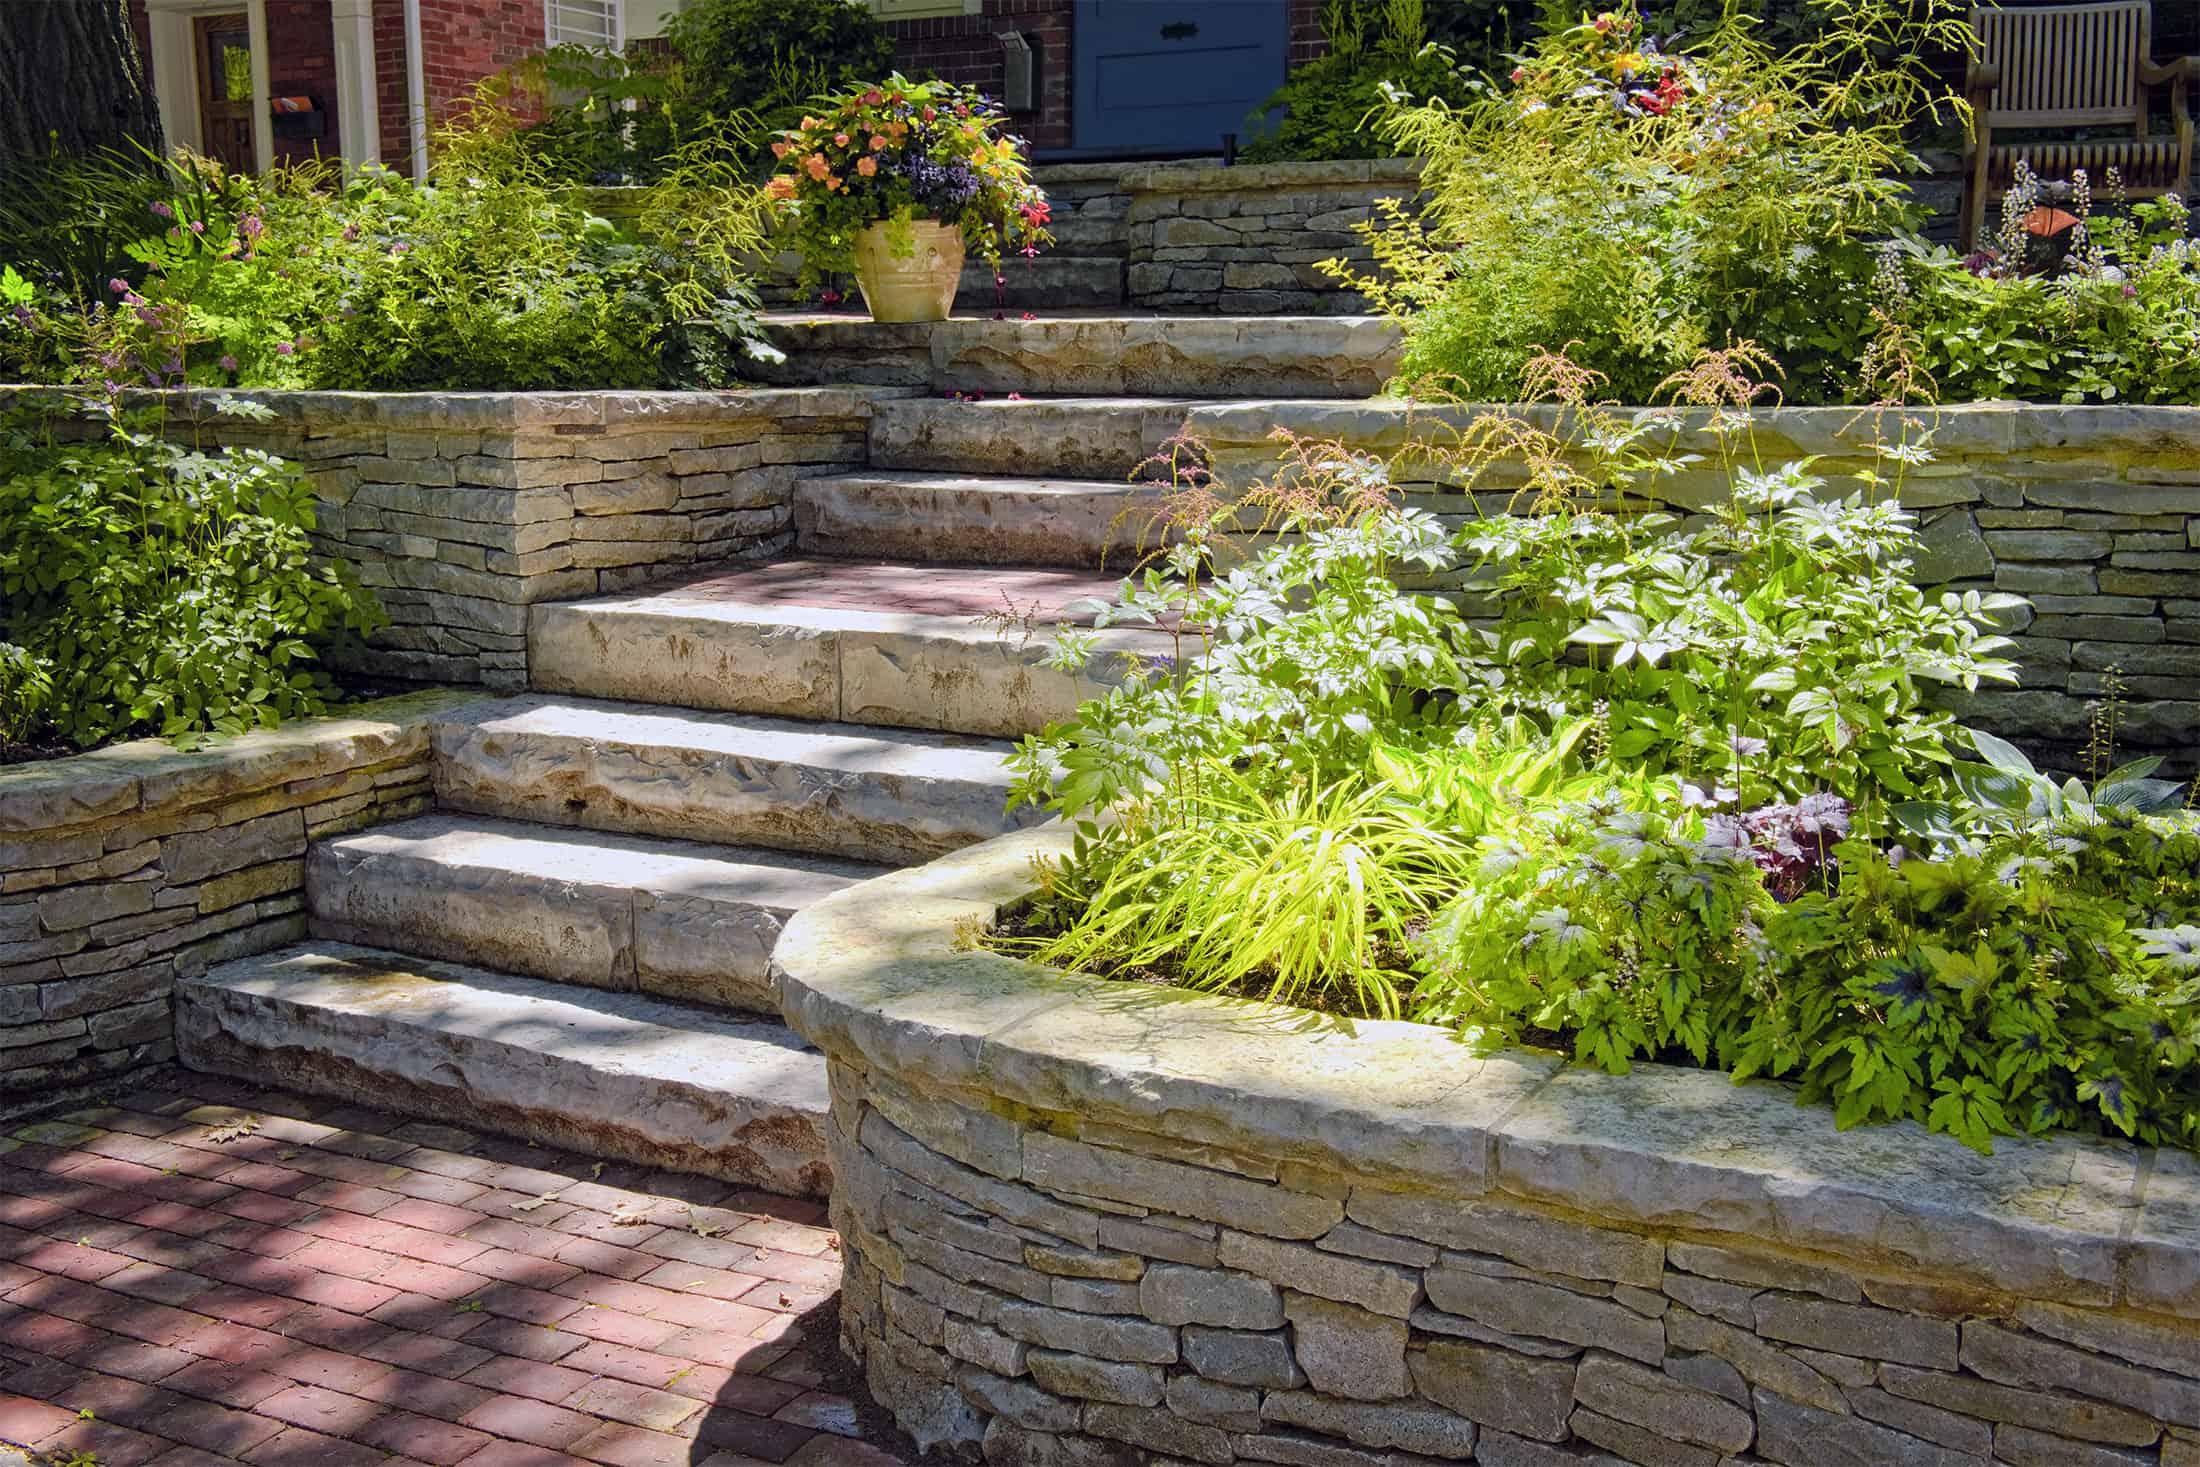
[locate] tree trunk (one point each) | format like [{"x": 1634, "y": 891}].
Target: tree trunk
[{"x": 71, "y": 78}]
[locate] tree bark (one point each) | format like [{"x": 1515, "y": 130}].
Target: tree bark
[{"x": 72, "y": 78}]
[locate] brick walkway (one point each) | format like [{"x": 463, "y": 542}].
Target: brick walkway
[{"x": 200, "y": 1274}]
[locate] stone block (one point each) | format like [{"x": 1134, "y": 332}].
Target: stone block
[
  {"x": 1761, "y": 1363},
  {"x": 1059, "y": 1164},
  {"x": 1177, "y": 1294},
  {"x": 77, "y": 907},
  {"x": 1626, "y": 1391},
  {"x": 1236, "y": 1357},
  {"x": 1637, "y": 1445},
  {"x": 1121, "y": 1382},
  {"x": 2022, "y": 1447},
  {"x": 1019, "y": 1401},
  {"x": 1100, "y": 1335},
  {"x": 1095, "y": 1296},
  {"x": 1158, "y": 1430},
  {"x": 2018, "y": 1359},
  {"x": 1533, "y": 1240},
  {"x": 1384, "y": 1288},
  {"x": 1009, "y": 1445},
  {"x": 984, "y": 1347},
  {"x": 1798, "y": 1436},
  {"x": 1347, "y": 1351},
  {"x": 1710, "y": 1373},
  {"x": 1524, "y": 1307},
  {"x": 1497, "y": 1388},
  {"x": 1858, "y": 1329},
  {"x": 1233, "y": 1408},
  {"x": 1426, "y": 1431},
  {"x": 1929, "y": 1423}
]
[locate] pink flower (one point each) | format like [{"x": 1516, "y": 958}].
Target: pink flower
[
  {"x": 284, "y": 348},
  {"x": 198, "y": 226},
  {"x": 228, "y": 363},
  {"x": 118, "y": 285},
  {"x": 162, "y": 209}
]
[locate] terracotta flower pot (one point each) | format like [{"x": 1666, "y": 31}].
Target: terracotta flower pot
[{"x": 918, "y": 286}]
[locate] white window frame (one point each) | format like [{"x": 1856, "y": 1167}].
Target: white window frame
[
  {"x": 924, "y": 9},
  {"x": 612, "y": 36}
]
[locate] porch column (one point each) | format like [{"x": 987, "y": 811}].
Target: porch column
[
  {"x": 175, "y": 75},
  {"x": 358, "y": 105},
  {"x": 263, "y": 115}
]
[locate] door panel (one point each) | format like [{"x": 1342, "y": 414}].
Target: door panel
[
  {"x": 1172, "y": 76},
  {"x": 225, "y": 89}
]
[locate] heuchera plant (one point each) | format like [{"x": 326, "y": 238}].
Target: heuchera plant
[{"x": 897, "y": 151}]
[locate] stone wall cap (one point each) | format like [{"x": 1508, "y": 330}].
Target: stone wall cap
[
  {"x": 1198, "y": 178},
  {"x": 59, "y": 794},
  {"x": 507, "y": 411},
  {"x": 882, "y": 973}
]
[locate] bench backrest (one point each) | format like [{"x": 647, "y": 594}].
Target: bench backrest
[{"x": 2066, "y": 65}]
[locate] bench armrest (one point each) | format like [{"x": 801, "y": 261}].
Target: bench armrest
[
  {"x": 1980, "y": 80},
  {"x": 2182, "y": 68}
]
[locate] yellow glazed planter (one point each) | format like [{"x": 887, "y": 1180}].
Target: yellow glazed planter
[{"x": 917, "y": 286}]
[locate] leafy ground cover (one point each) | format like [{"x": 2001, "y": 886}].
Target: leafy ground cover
[
  {"x": 1646, "y": 787},
  {"x": 151, "y": 587}
]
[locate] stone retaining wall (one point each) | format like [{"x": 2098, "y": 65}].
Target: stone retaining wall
[
  {"x": 1249, "y": 240},
  {"x": 2093, "y": 513},
  {"x": 462, "y": 509},
  {"x": 1106, "y": 1225},
  {"x": 125, "y": 868}
]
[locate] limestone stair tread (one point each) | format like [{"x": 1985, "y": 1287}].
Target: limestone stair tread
[
  {"x": 991, "y": 519},
  {"x": 680, "y": 919},
  {"x": 979, "y": 669},
  {"x": 623, "y": 1075},
  {"x": 1089, "y": 437},
  {"x": 873, "y": 794}
]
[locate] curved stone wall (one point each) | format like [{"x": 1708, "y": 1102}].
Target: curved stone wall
[{"x": 1097, "y": 1225}]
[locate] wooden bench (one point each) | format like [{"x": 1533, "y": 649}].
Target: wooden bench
[{"x": 2064, "y": 67}]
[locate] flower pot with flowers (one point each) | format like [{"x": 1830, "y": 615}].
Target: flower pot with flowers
[{"x": 894, "y": 181}]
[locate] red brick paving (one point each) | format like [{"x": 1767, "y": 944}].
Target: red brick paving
[{"x": 336, "y": 1286}]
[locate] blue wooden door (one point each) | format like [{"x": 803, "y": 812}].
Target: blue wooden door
[{"x": 1172, "y": 76}]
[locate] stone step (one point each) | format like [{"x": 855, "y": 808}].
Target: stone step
[
  {"x": 738, "y": 651},
  {"x": 674, "y": 918},
  {"x": 870, "y": 794},
  {"x": 912, "y": 515},
  {"x": 1051, "y": 282},
  {"x": 1231, "y": 357},
  {"x": 1109, "y": 438},
  {"x": 618, "y": 1075}
]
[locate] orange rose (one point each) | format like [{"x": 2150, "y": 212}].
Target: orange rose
[
  {"x": 817, "y": 165},
  {"x": 877, "y": 142},
  {"x": 866, "y": 166},
  {"x": 780, "y": 150},
  {"x": 780, "y": 187},
  {"x": 840, "y": 140}
]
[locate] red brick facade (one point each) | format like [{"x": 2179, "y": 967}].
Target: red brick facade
[
  {"x": 462, "y": 41},
  {"x": 964, "y": 48}
]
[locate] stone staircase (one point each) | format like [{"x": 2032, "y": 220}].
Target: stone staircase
[{"x": 573, "y": 948}]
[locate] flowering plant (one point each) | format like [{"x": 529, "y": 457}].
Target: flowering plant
[{"x": 897, "y": 151}]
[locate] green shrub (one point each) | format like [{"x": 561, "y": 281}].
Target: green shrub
[
  {"x": 765, "y": 60},
  {"x": 1378, "y": 51},
  {"x": 150, "y": 588},
  {"x": 1635, "y": 206},
  {"x": 485, "y": 278}
]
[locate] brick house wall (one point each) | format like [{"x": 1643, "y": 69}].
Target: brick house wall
[
  {"x": 301, "y": 62},
  {"x": 963, "y": 49}
]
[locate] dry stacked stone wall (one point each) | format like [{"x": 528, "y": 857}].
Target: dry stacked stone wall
[
  {"x": 1116, "y": 1297},
  {"x": 1249, "y": 240},
  {"x": 1094, "y": 1225},
  {"x": 122, "y": 869}
]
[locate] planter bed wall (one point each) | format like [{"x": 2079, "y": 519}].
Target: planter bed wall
[
  {"x": 460, "y": 510},
  {"x": 1100, "y": 1225},
  {"x": 125, "y": 868},
  {"x": 2092, "y": 513},
  {"x": 1249, "y": 240}
]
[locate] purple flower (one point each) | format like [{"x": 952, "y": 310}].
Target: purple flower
[
  {"x": 198, "y": 226},
  {"x": 162, "y": 210},
  {"x": 228, "y": 363},
  {"x": 284, "y": 348},
  {"x": 118, "y": 285}
]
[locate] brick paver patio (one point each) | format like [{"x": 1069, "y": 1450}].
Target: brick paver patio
[{"x": 201, "y": 1273}]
